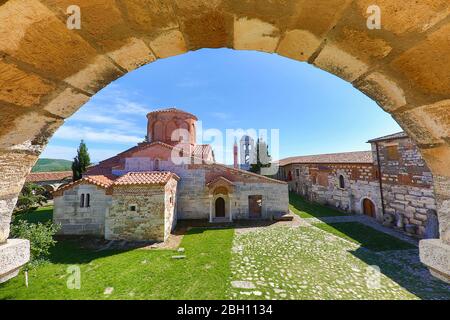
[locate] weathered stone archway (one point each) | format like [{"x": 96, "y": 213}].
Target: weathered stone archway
[{"x": 48, "y": 71}]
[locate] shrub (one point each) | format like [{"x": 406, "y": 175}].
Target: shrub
[{"x": 39, "y": 234}]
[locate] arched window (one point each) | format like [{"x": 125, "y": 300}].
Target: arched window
[
  {"x": 88, "y": 200},
  {"x": 156, "y": 165},
  {"x": 341, "y": 182},
  {"x": 82, "y": 200}
]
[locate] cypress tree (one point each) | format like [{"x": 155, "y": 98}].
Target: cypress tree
[{"x": 81, "y": 162}]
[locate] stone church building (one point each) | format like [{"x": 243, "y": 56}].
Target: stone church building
[
  {"x": 140, "y": 193},
  {"x": 390, "y": 183}
]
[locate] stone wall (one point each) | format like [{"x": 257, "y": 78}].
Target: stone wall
[
  {"x": 76, "y": 220},
  {"x": 320, "y": 183},
  {"x": 193, "y": 199},
  {"x": 407, "y": 182},
  {"x": 147, "y": 222},
  {"x": 170, "y": 214},
  {"x": 275, "y": 199}
]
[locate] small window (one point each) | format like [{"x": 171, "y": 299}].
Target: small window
[
  {"x": 82, "y": 200},
  {"x": 88, "y": 200},
  {"x": 392, "y": 153},
  {"x": 297, "y": 172},
  {"x": 133, "y": 208},
  {"x": 341, "y": 182},
  {"x": 156, "y": 165}
]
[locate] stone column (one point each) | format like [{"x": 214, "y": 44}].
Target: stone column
[
  {"x": 210, "y": 208},
  {"x": 14, "y": 253},
  {"x": 435, "y": 253}
]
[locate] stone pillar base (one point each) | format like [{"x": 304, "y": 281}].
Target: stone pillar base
[
  {"x": 435, "y": 254},
  {"x": 13, "y": 255}
]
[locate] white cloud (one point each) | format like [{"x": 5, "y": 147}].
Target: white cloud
[
  {"x": 101, "y": 119},
  {"x": 74, "y": 133}
]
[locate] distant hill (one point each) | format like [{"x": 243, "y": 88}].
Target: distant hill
[{"x": 48, "y": 165}]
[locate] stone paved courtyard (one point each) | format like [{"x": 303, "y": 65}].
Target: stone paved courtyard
[{"x": 304, "y": 262}]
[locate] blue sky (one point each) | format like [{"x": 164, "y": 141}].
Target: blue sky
[{"x": 314, "y": 111}]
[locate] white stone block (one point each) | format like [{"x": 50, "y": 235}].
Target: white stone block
[{"x": 13, "y": 255}]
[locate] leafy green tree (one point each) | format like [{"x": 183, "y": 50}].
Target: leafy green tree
[
  {"x": 263, "y": 159},
  {"x": 32, "y": 195},
  {"x": 81, "y": 162}
]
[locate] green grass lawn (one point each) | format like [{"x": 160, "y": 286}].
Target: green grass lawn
[
  {"x": 42, "y": 214},
  {"x": 365, "y": 236},
  {"x": 135, "y": 274},
  {"x": 305, "y": 209}
]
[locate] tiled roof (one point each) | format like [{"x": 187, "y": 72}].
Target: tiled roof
[
  {"x": 215, "y": 180},
  {"x": 143, "y": 178},
  {"x": 48, "y": 176},
  {"x": 102, "y": 181},
  {"x": 398, "y": 135},
  {"x": 131, "y": 178},
  {"x": 168, "y": 110},
  {"x": 345, "y": 157},
  {"x": 202, "y": 151}
]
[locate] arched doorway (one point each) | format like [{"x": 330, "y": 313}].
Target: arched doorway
[
  {"x": 406, "y": 72},
  {"x": 220, "y": 208},
  {"x": 369, "y": 208}
]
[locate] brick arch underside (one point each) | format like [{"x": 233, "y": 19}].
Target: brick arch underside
[{"x": 47, "y": 72}]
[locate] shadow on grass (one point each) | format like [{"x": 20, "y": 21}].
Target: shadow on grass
[
  {"x": 408, "y": 272},
  {"x": 366, "y": 236},
  {"x": 306, "y": 209}
]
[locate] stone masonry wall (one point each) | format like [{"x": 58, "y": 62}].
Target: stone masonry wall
[
  {"x": 407, "y": 182},
  {"x": 170, "y": 215},
  {"x": 193, "y": 198},
  {"x": 320, "y": 183},
  {"x": 146, "y": 223},
  {"x": 75, "y": 220}
]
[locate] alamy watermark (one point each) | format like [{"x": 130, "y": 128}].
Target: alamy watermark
[
  {"x": 374, "y": 19},
  {"x": 74, "y": 277},
  {"x": 74, "y": 17}
]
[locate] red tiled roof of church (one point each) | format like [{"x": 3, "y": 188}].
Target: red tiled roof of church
[
  {"x": 200, "y": 152},
  {"x": 168, "y": 110},
  {"x": 131, "y": 178},
  {"x": 143, "y": 178},
  {"x": 48, "y": 176},
  {"x": 102, "y": 181},
  {"x": 345, "y": 157}
]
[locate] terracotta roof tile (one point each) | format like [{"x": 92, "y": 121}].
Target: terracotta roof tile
[
  {"x": 102, "y": 181},
  {"x": 168, "y": 110},
  {"x": 345, "y": 157},
  {"x": 48, "y": 176},
  {"x": 398, "y": 135},
  {"x": 143, "y": 178}
]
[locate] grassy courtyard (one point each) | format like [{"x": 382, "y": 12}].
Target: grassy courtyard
[
  {"x": 306, "y": 209},
  {"x": 277, "y": 262}
]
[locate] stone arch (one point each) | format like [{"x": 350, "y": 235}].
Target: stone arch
[
  {"x": 158, "y": 131},
  {"x": 377, "y": 214},
  {"x": 170, "y": 128},
  {"x": 49, "y": 71}
]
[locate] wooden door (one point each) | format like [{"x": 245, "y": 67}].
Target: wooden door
[
  {"x": 255, "y": 206},
  {"x": 369, "y": 208},
  {"x": 220, "y": 208}
]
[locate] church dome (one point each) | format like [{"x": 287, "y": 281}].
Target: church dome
[{"x": 171, "y": 126}]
